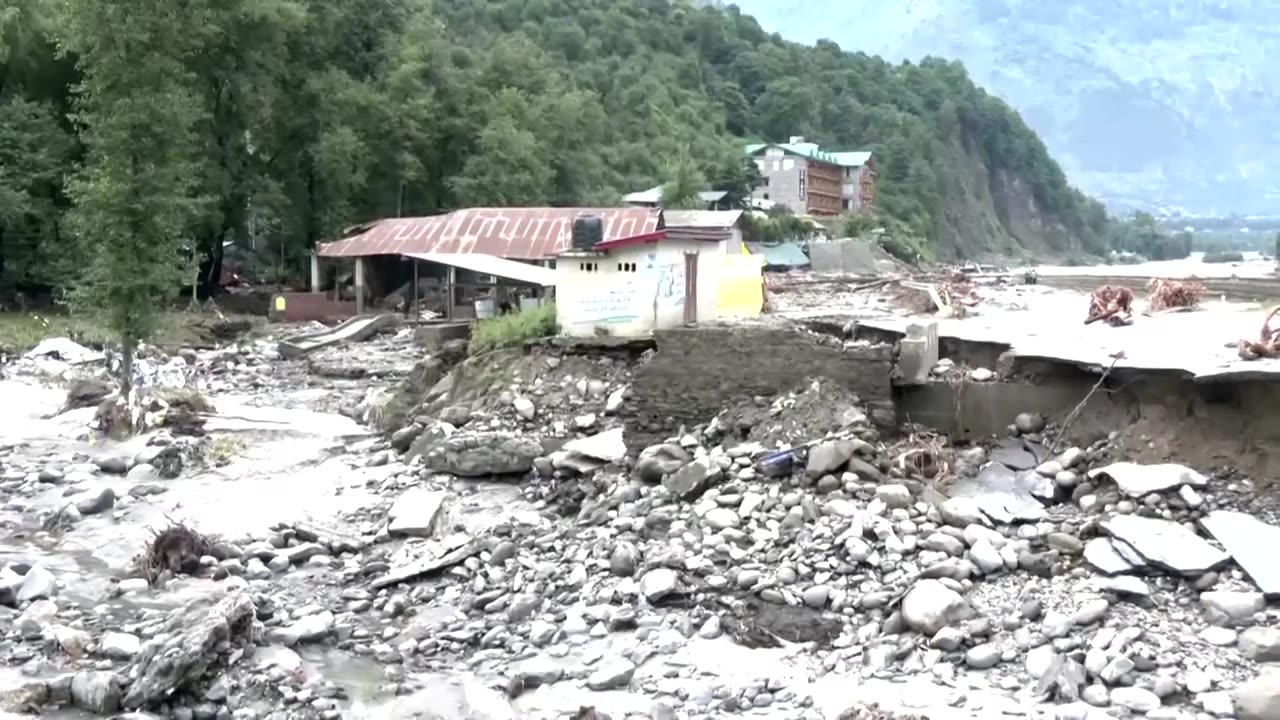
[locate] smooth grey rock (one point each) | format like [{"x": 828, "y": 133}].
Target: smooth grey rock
[
  {"x": 611, "y": 674},
  {"x": 1229, "y": 607},
  {"x": 816, "y": 596},
  {"x": 1251, "y": 542},
  {"x": 1137, "y": 480},
  {"x": 722, "y": 518},
  {"x": 1029, "y": 423},
  {"x": 524, "y": 407},
  {"x": 95, "y": 501},
  {"x": 1260, "y": 644},
  {"x": 828, "y": 457},
  {"x": 120, "y": 646},
  {"x": 624, "y": 560},
  {"x": 1137, "y": 699},
  {"x": 1259, "y": 699},
  {"x": 1166, "y": 544},
  {"x": 930, "y": 606},
  {"x": 414, "y": 513},
  {"x": 657, "y": 461},
  {"x": 982, "y": 657},
  {"x": 658, "y": 583},
  {"x": 894, "y": 496},
  {"x": 689, "y": 481}
]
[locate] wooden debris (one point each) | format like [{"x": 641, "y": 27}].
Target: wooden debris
[{"x": 1268, "y": 343}]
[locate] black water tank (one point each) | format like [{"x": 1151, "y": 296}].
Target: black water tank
[{"x": 588, "y": 231}]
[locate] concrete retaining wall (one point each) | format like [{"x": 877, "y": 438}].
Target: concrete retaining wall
[{"x": 697, "y": 372}]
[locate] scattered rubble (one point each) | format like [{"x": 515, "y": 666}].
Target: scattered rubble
[{"x": 497, "y": 552}]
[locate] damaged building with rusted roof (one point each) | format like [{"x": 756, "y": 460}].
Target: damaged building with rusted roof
[{"x": 471, "y": 263}]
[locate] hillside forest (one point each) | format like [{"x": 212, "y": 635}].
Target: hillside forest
[{"x": 148, "y": 139}]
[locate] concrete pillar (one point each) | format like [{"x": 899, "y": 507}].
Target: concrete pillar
[
  {"x": 359, "y": 285},
  {"x": 315, "y": 273},
  {"x": 917, "y": 354}
]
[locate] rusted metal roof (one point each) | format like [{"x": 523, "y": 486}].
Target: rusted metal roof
[
  {"x": 515, "y": 233},
  {"x": 701, "y": 218}
]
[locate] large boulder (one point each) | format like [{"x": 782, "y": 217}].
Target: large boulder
[
  {"x": 828, "y": 457},
  {"x": 484, "y": 454},
  {"x": 931, "y": 606},
  {"x": 86, "y": 392},
  {"x": 658, "y": 461},
  {"x": 1259, "y": 699}
]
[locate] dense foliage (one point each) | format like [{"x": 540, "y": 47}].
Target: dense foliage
[{"x": 279, "y": 122}]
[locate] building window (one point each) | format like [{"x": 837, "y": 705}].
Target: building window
[
  {"x": 765, "y": 182},
  {"x": 845, "y": 203},
  {"x": 626, "y": 267},
  {"x": 588, "y": 266},
  {"x": 766, "y": 196},
  {"x": 788, "y": 163},
  {"x": 801, "y": 184}
]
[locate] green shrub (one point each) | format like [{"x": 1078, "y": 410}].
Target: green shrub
[
  {"x": 514, "y": 329},
  {"x": 1222, "y": 256}
]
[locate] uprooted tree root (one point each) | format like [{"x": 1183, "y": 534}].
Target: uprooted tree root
[
  {"x": 1268, "y": 343},
  {"x": 1168, "y": 294},
  {"x": 1112, "y": 303},
  {"x": 175, "y": 549}
]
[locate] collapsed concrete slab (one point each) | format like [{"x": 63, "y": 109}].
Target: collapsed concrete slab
[
  {"x": 1137, "y": 480},
  {"x": 1166, "y": 544},
  {"x": 1251, "y": 542},
  {"x": 998, "y": 493}
]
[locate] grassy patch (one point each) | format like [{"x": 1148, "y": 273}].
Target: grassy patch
[
  {"x": 224, "y": 449},
  {"x": 19, "y": 332},
  {"x": 514, "y": 329},
  {"x": 187, "y": 397}
]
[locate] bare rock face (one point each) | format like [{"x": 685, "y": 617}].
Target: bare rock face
[
  {"x": 484, "y": 454},
  {"x": 190, "y": 648}
]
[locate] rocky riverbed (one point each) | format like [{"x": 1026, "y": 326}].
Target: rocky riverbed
[{"x": 370, "y": 533}]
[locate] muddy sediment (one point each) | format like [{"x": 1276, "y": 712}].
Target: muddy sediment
[{"x": 482, "y": 538}]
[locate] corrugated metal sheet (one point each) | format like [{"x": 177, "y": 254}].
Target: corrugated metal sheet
[
  {"x": 490, "y": 265},
  {"x": 785, "y": 254},
  {"x": 518, "y": 233},
  {"x": 701, "y": 218},
  {"x": 699, "y": 233}
]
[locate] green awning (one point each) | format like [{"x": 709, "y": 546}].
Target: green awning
[{"x": 786, "y": 254}]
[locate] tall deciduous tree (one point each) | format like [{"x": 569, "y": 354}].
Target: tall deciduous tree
[{"x": 137, "y": 112}]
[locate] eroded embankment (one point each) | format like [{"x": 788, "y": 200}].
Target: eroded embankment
[{"x": 1154, "y": 415}]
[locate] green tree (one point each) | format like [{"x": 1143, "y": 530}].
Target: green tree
[
  {"x": 684, "y": 185},
  {"x": 134, "y": 195}
]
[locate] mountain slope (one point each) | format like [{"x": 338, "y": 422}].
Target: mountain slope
[
  {"x": 955, "y": 163},
  {"x": 1141, "y": 100}
]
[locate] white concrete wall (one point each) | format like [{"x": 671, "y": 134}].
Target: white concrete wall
[{"x": 626, "y": 303}]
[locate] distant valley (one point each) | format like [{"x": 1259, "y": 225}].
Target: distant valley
[{"x": 1147, "y": 104}]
